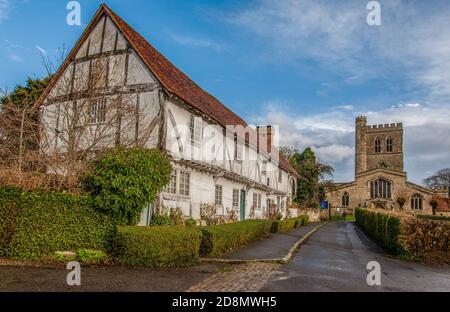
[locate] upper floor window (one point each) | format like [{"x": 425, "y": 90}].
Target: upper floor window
[
  {"x": 97, "y": 112},
  {"x": 380, "y": 189},
  {"x": 218, "y": 195},
  {"x": 196, "y": 130},
  {"x": 389, "y": 145},
  {"x": 185, "y": 178},
  {"x": 377, "y": 145},
  {"x": 345, "y": 200},
  {"x": 416, "y": 202},
  {"x": 280, "y": 176},
  {"x": 235, "y": 198},
  {"x": 238, "y": 149}
]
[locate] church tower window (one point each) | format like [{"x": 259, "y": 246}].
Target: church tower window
[{"x": 389, "y": 145}]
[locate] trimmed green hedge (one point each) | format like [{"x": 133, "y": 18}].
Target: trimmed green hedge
[
  {"x": 157, "y": 246},
  {"x": 381, "y": 227},
  {"x": 220, "y": 239},
  {"x": 286, "y": 225},
  {"x": 34, "y": 224}
]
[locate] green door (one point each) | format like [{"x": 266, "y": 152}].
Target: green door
[{"x": 243, "y": 194}]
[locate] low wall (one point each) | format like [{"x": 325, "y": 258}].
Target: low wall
[{"x": 312, "y": 213}]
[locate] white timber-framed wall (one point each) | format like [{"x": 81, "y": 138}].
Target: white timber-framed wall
[{"x": 161, "y": 116}]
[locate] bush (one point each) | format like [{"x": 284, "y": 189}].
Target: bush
[
  {"x": 157, "y": 246},
  {"x": 190, "y": 222},
  {"x": 438, "y": 218},
  {"x": 123, "y": 181},
  {"x": 161, "y": 220},
  {"x": 282, "y": 226},
  {"x": 34, "y": 224},
  {"x": 286, "y": 225},
  {"x": 301, "y": 220},
  {"x": 91, "y": 256},
  {"x": 220, "y": 239}
]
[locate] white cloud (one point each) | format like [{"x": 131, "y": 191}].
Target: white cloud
[
  {"x": 5, "y": 9},
  {"x": 16, "y": 58},
  {"x": 188, "y": 40},
  {"x": 413, "y": 40},
  {"x": 41, "y": 50},
  {"x": 331, "y": 135}
]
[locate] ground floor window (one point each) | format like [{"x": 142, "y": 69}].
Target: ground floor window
[
  {"x": 218, "y": 195},
  {"x": 235, "y": 198},
  {"x": 172, "y": 187},
  {"x": 345, "y": 200},
  {"x": 184, "y": 183},
  {"x": 416, "y": 202}
]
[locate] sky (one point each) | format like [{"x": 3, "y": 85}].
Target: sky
[{"x": 309, "y": 66}]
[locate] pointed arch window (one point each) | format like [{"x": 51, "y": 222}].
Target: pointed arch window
[
  {"x": 377, "y": 145},
  {"x": 416, "y": 202},
  {"x": 380, "y": 189},
  {"x": 345, "y": 200},
  {"x": 389, "y": 145}
]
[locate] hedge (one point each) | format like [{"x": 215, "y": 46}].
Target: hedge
[
  {"x": 157, "y": 246},
  {"x": 382, "y": 228},
  {"x": 34, "y": 224},
  {"x": 286, "y": 225},
  {"x": 435, "y": 217},
  {"x": 220, "y": 239}
]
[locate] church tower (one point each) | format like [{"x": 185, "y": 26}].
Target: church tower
[{"x": 378, "y": 146}]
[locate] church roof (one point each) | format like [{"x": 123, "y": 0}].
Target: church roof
[{"x": 173, "y": 80}]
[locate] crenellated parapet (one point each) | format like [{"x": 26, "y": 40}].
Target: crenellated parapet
[{"x": 384, "y": 127}]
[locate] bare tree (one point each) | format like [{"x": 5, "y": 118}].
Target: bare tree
[
  {"x": 82, "y": 116},
  {"x": 439, "y": 179}
]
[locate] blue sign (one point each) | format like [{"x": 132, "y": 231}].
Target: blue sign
[{"x": 323, "y": 204}]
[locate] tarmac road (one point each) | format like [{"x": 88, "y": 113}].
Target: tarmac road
[{"x": 335, "y": 259}]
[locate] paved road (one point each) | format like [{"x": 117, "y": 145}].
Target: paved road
[
  {"x": 105, "y": 279},
  {"x": 277, "y": 246},
  {"x": 335, "y": 259}
]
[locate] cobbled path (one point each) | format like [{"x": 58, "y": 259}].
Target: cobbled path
[{"x": 248, "y": 277}]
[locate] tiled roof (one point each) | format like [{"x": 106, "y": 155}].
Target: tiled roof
[
  {"x": 175, "y": 82},
  {"x": 443, "y": 203}
]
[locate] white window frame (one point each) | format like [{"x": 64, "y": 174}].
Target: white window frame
[
  {"x": 218, "y": 195},
  {"x": 184, "y": 184},
  {"x": 235, "y": 198},
  {"x": 97, "y": 111},
  {"x": 171, "y": 188},
  {"x": 196, "y": 129}
]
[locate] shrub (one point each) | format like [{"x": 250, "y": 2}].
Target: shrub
[
  {"x": 177, "y": 217},
  {"x": 34, "y": 224},
  {"x": 190, "y": 222},
  {"x": 301, "y": 220},
  {"x": 91, "y": 256},
  {"x": 123, "y": 181},
  {"x": 281, "y": 226},
  {"x": 161, "y": 220},
  {"x": 208, "y": 214},
  {"x": 287, "y": 225},
  {"x": 437, "y": 218},
  {"x": 157, "y": 246},
  {"x": 220, "y": 239}
]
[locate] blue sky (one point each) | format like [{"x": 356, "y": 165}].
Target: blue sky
[{"x": 309, "y": 66}]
